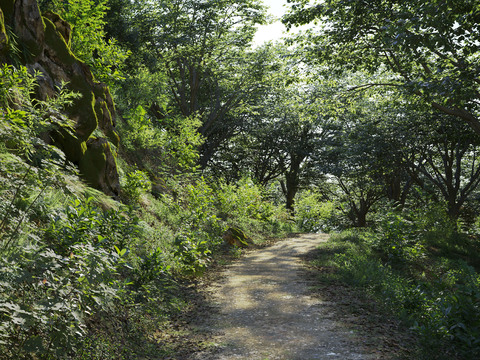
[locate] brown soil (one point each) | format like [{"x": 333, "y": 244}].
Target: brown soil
[{"x": 266, "y": 310}]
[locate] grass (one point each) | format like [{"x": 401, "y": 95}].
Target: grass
[
  {"x": 374, "y": 328},
  {"x": 437, "y": 296}
]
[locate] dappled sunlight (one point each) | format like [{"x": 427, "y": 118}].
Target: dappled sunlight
[{"x": 266, "y": 312}]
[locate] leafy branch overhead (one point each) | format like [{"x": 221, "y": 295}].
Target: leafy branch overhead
[{"x": 432, "y": 46}]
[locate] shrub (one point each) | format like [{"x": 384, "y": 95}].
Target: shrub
[
  {"x": 313, "y": 214},
  {"x": 246, "y": 205},
  {"x": 53, "y": 285},
  {"x": 194, "y": 255},
  {"x": 82, "y": 222},
  {"x": 450, "y": 319},
  {"x": 168, "y": 148},
  {"x": 443, "y": 308},
  {"x": 397, "y": 238},
  {"x": 136, "y": 182},
  {"x": 46, "y": 297}
]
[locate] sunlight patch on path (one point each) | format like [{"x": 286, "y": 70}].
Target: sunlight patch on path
[{"x": 265, "y": 311}]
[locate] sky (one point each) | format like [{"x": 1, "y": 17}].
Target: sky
[
  {"x": 276, "y": 30},
  {"x": 273, "y": 31}
]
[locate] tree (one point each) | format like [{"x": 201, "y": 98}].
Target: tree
[
  {"x": 431, "y": 46},
  {"x": 203, "y": 49},
  {"x": 288, "y": 127},
  {"x": 356, "y": 162},
  {"x": 366, "y": 157},
  {"x": 444, "y": 160}
]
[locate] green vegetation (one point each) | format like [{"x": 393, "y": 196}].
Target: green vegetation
[
  {"x": 81, "y": 272},
  {"x": 87, "y": 39},
  {"x": 365, "y": 126},
  {"x": 400, "y": 265}
]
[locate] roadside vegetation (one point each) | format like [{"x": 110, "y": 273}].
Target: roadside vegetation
[
  {"x": 419, "y": 267},
  {"x": 379, "y": 148}
]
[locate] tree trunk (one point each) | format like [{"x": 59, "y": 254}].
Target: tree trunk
[
  {"x": 292, "y": 188},
  {"x": 292, "y": 181}
]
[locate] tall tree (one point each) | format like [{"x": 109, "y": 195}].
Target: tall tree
[
  {"x": 432, "y": 46},
  {"x": 203, "y": 47},
  {"x": 444, "y": 159},
  {"x": 289, "y": 126}
]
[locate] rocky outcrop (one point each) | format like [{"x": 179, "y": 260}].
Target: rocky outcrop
[
  {"x": 3, "y": 38},
  {"x": 236, "y": 237},
  {"x": 45, "y": 44}
]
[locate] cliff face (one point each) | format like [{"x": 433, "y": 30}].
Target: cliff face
[{"x": 44, "y": 41}]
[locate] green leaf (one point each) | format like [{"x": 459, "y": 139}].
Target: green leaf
[{"x": 34, "y": 344}]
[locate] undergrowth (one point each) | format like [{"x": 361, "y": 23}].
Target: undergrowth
[
  {"x": 419, "y": 270},
  {"x": 83, "y": 276}
]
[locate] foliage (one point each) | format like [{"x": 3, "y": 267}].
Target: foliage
[
  {"x": 89, "y": 43},
  {"x": 30, "y": 169},
  {"x": 144, "y": 87},
  {"x": 80, "y": 221},
  {"x": 437, "y": 297},
  {"x": 429, "y": 46},
  {"x": 314, "y": 214},
  {"x": 167, "y": 148},
  {"x": 61, "y": 265},
  {"x": 446, "y": 159},
  {"x": 195, "y": 50},
  {"x": 136, "y": 182},
  {"x": 51, "y": 287},
  {"x": 285, "y": 133},
  {"x": 194, "y": 254},
  {"x": 202, "y": 210},
  {"x": 244, "y": 199},
  {"x": 397, "y": 238},
  {"x": 246, "y": 204},
  {"x": 24, "y": 115}
]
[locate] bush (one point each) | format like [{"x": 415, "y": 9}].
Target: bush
[
  {"x": 246, "y": 205},
  {"x": 312, "y": 214},
  {"x": 194, "y": 255},
  {"x": 75, "y": 270},
  {"x": 443, "y": 308},
  {"x": 451, "y": 316},
  {"x": 244, "y": 200},
  {"x": 82, "y": 222},
  {"x": 136, "y": 182},
  {"x": 397, "y": 238},
  {"x": 168, "y": 148},
  {"x": 45, "y": 298}
]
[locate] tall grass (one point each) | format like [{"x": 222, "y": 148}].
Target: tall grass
[{"x": 437, "y": 296}]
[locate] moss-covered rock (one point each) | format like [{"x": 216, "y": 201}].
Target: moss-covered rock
[
  {"x": 73, "y": 148},
  {"x": 61, "y": 26},
  {"x": 3, "y": 37},
  {"x": 57, "y": 47},
  {"x": 236, "y": 237},
  {"x": 45, "y": 45},
  {"x": 99, "y": 166}
]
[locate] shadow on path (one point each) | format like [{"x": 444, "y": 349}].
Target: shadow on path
[{"x": 265, "y": 310}]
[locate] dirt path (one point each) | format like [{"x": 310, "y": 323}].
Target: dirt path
[{"x": 266, "y": 313}]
